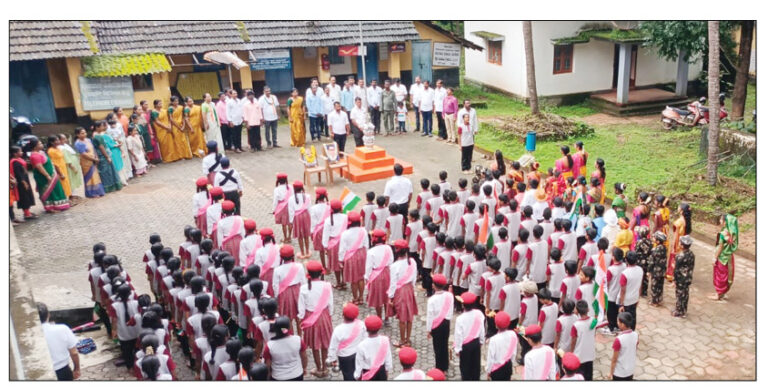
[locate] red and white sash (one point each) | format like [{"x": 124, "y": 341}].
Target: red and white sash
[
  {"x": 474, "y": 331},
  {"x": 378, "y": 359},
  {"x": 357, "y": 245},
  {"x": 333, "y": 242},
  {"x": 272, "y": 252},
  {"x": 378, "y": 270},
  {"x": 252, "y": 256},
  {"x": 357, "y": 326},
  {"x": 321, "y": 223},
  {"x": 234, "y": 230},
  {"x": 284, "y": 202},
  {"x": 508, "y": 355},
  {"x": 289, "y": 277},
  {"x": 304, "y": 206},
  {"x": 322, "y": 303},
  {"x": 443, "y": 311},
  {"x": 409, "y": 271},
  {"x": 547, "y": 364},
  {"x": 203, "y": 209}
]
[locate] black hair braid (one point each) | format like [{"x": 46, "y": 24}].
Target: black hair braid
[{"x": 687, "y": 215}]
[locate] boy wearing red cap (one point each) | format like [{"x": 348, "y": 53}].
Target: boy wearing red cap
[
  {"x": 298, "y": 216},
  {"x": 344, "y": 341},
  {"x": 540, "y": 360},
  {"x": 373, "y": 358},
  {"x": 230, "y": 230},
  {"x": 334, "y": 226},
  {"x": 377, "y": 262},
  {"x": 286, "y": 283},
  {"x": 502, "y": 348},
  {"x": 571, "y": 365},
  {"x": 353, "y": 249},
  {"x": 318, "y": 213},
  {"x": 403, "y": 273},
  {"x": 213, "y": 213},
  {"x": 249, "y": 245},
  {"x": 315, "y": 308},
  {"x": 267, "y": 257},
  {"x": 201, "y": 200},
  {"x": 468, "y": 333},
  {"x": 408, "y": 358},
  {"x": 439, "y": 314},
  {"x": 281, "y": 196}
]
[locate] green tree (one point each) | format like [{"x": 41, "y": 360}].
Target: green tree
[
  {"x": 670, "y": 38},
  {"x": 714, "y": 102},
  {"x": 742, "y": 71}
]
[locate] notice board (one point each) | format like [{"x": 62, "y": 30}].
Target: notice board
[{"x": 105, "y": 93}]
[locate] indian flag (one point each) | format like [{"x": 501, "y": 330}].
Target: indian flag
[
  {"x": 601, "y": 287},
  {"x": 348, "y": 200},
  {"x": 575, "y": 211},
  {"x": 484, "y": 235}
]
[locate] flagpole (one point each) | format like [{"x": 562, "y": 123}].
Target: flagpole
[{"x": 362, "y": 51}]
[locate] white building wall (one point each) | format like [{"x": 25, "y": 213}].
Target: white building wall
[
  {"x": 510, "y": 76},
  {"x": 652, "y": 70}
]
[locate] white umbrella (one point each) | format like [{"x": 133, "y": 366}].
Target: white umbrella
[{"x": 225, "y": 58}]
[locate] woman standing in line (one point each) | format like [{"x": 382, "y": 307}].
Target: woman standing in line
[
  {"x": 59, "y": 164},
  {"x": 115, "y": 131},
  {"x": 161, "y": 123},
  {"x": 88, "y": 162},
  {"x": 180, "y": 134},
  {"x": 74, "y": 171},
  {"x": 211, "y": 122},
  {"x": 48, "y": 181},
  {"x": 109, "y": 177},
  {"x": 681, "y": 227},
  {"x": 724, "y": 267},
  {"x": 193, "y": 122},
  {"x": 297, "y": 112},
  {"x": 22, "y": 189},
  {"x": 151, "y": 147}
]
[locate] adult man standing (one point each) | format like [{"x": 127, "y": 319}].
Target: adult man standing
[
  {"x": 388, "y": 101},
  {"x": 221, "y": 111},
  {"x": 361, "y": 93},
  {"x": 399, "y": 190},
  {"x": 467, "y": 139},
  {"x": 339, "y": 124},
  {"x": 252, "y": 117},
  {"x": 400, "y": 90},
  {"x": 439, "y": 98},
  {"x": 62, "y": 345},
  {"x": 426, "y": 104},
  {"x": 357, "y": 118},
  {"x": 450, "y": 107},
  {"x": 335, "y": 90},
  {"x": 348, "y": 97},
  {"x": 314, "y": 101},
  {"x": 374, "y": 105},
  {"x": 230, "y": 182},
  {"x": 235, "y": 117},
  {"x": 415, "y": 92},
  {"x": 269, "y": 107}
]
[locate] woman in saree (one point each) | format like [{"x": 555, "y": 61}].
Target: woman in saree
[
  {"x": 22, "y": 189},
  {"x": 152, "y": 149},
  {"x": 661, "y": 217},
  {"x": 296, "y": 113},
  {"x": 724, "y": 266},
  {"x": 116, "y": 142},
  {"x": 193, "y": 122},
  {"x": 89, "y": 162},
  {"x": 211, "y": 122},
  {"x": 580, "y": 159},
  {"x": 624, "y": 238},
  {"x": 109, "y": 178},
  {"x": 161, "y": 123},
  {"x": 681, "y": 227},
  {"x": 180, "y": 135},
  {"x": 640, "y": 214},
  {"x": 619, "y": 203},
  {"x": 59, "y": 164},
  {"x": 564, "y": 165},
  {"x": 137, "y": 121},
  {"x": 74, "y": 172},
  {"x": 599, "y": 173},
  {"x": 47, "y": 179}
]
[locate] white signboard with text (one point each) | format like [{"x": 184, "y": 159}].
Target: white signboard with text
[{"x": 446, "y": 54}]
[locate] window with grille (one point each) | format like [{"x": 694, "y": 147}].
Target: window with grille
[
  {"x": 563, "y": 61},
  {"x": 494, "y": 52},
  {"x": 333, "y": 56}
]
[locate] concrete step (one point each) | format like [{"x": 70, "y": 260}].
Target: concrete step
[{"x": 636, "y": 109}]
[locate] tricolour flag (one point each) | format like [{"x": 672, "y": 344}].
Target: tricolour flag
[
  {"x": 484, "y": 236},
  {"x": 575, "y": 211},
  {"x": 348, "y": 200},
  {"x": 601, "y": 287}
]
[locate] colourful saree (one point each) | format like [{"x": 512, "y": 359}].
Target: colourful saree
[
  {"x": 620, "y": 206},
  {"x": 93, "y": 186},
  {"x": 196, "y": 137},
  {"x": 51, "y": 193},
  {"x": 165, "y": 139},
  {"x": 74, "y": 172},
  {"x": 298, "y": 129},
  {"x": 180, "y": 137},
  {"x": 57, "y": 158},
  {"x": 109, "y": 178},
  {"x": 722, "y": 275}
]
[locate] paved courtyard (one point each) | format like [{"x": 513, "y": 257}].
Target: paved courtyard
[{"x": 715, "y": 342}]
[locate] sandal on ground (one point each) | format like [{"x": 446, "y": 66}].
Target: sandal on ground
[{"x": 398, "y": 344}]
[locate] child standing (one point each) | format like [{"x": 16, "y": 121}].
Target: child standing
[
  {"x": 439, "y": 313},
  {"x": 468, "y": 335},
  {"x": 401, "y": 291},
  {"x": 379, "y": 218},
  {"x": 630, "y": 281},
  {"x": 445, "y": 186},
  {"x": 267, "y": 257},
  {"x": 408, "y": 358},
  {"x": 537, "y": 266},
  {"x": 315, "y": 307},
  {"x": 402, "y": 111},
  {"x": 412, "y": 232},
  {"x": 423, "y": 197},
  {"x": 585, "y": 291},
  {"x": 564, "y": 324},
  {"x": 286, "y": 282},
  {"x": 571, "y": 366},
  {"x": 366, "y": 213},
  {"x": 571, "y": 282},
  {"x": 555, "y": 275},
  {"x": 249, "y": 245},
  {"x": 502, "y": 348},
  {"x": 434, "y": 203},
  {"x": 353, "y": 249},
  {"x": 468, "y": 221},
  {"x": 136, "y": 151},
  {"x": 510, "y": 296},
  {"x": 529, "y": 310},
  {"x": 613, "y": 276},
  {"x": 493, "y": 285},
  {"x": 377, "y": 262},
  {"x": 683, "y": 276},
  {"x": 583, "y": 338},
  {"x": 540, "y": 360},
  {"x": 427, "y": 249},
  {"x": 658, "y": 266},
  {"x": 624, "y": 349},
  {"x": 280, "y": 198},
  {"x": 344, "y": 341},
  {"x": 334, "y": 226},
  {"x": 318, "y": 213},
  {"x": 394, "y": 224},
  {"x": 521, "y": 254},
  {"x": 547, "y": 318},
  {"x": 567, "y": 242},
  {"x": 373, "y": 358},
  {"x": 298, "y": 216},
  {"x": 463, "y": 193}
]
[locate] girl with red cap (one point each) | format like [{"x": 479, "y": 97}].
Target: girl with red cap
[
  {"x": 373, "y": 358},
  {"x": 377, "y": 262},
  {"x": 353, "y": 249},
  {"x": 298, "y": 216},
  {"x": 439, "y": 314},
  {"x": 267, "y": 257},
  {"x": 201, "y": 200},
  {"x": 408, "y": 358},
  {"x": 250, "y": 244},
  {"x": 286, "y": 283},
  {"x": 315, "y": 307},
  {"x": 280, "y": 199},
  {"x": 502, "y": 349},
  {"x": 213, "y": 213},
  {"x": 230, "y": 230},
  {"x": 571, "y": 366},
  {"x": 401, "y": 291},
  {"x": 318, "y": 213},
  {"x": 333, "y": 227},
  {"x": 468, "y": 333},
  {"x": 344, "y": 341}
]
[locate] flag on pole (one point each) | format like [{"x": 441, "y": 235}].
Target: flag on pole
[
  {"x": 348, "y": 200},
  {"x": 485, "y": 236},
  {"x": 601, "y": 287},
  {"x": 575, "y": 211}
]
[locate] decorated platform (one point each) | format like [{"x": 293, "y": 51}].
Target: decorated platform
[{"x": 373, "y": 163}]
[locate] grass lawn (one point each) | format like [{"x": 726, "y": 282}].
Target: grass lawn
[
  {"x": 501, "y": 105},
  {"x": 749, "y": 104}
]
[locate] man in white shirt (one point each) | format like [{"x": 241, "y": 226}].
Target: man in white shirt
[
  {"x": 400, "y": 90},
  {"x": 374, "y": 105},
  {"x": 62, "y": 345},
  {"x": 357, "y": 119},
  {"x": 415, "y": 93},
  {"x": 362, "y": 93},
  {"x": 230, "y": 182},
  {"x": 335, "y": 89},
  {"x": 426, "y": 105},
  {"x": 399, "y": 190},
  {"x": 270, "y": 108},
  {"x": 467, "y": 137},
  {"x": 440, "y": 94},
  {"x": 235, "y": 118},
  {"x": 338, "y": 122}
]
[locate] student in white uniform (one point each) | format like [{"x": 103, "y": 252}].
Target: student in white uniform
[
  {"x": 567, "y": 242},
  {"x": 213, "y": 214},
  {"x": 402, "y": 282},
  {"x": 555, "y": 275},
  {"x": 529, "y": 309},
  {"x": 540, "y": 360},
  {"x": 212, "y": 161},
  {"x": 537, "y": 267},
  {"x": 217, "y": 355},
  {"x": 583, "y": 339},
  {"x": 249, "y": 245},
  {"x": 439, "y": 313},
  {"x": 366, "y": 212},
  {"x": 547, "y": 224},
  {"x": 423, "y": 197},
  {"x": 333, "y": 228},
  {"x": 122, "y": 311},
  {"x": 230, "y": 182},
  {"x": 493, "y": 285},
  {"x": 462, "y": 193},
  {"x": 564, "y": 324},
  {"x": 613, "y": 276},
  {"x": 630, "y": 281},
  {"x": 230, "y": 230},
  {"x": 408, "y": 357},
  {"x": 394, "y": 224},
  {"x": 547, "y": 318},
  {"x": 427, "y": 249},
  {"x": 317, "y": 215},
  {"x": 502, "y": 349},
  {"x": 453, "y": 211},
  {"x": 380, "y": 214},
  {"x": 570, "y": 282},
  {"x": 285, "y": 354},
  {"x": 433, "y": 204},
  {"x": 589, "y": 248},
  {"x": 624, "y": 349},
  {"x": 468, "y": 221},
  {"x": 468, "y": 336},
  {"x": 585, "y": 291},
  {"x": 344, "y": 341},
  {"x": 373, "y": 358},
  {"x": 315, "y": 311},
  {"x": 510, "y": 296},
  {"x": 521, "y": 254},
  {"x": 353, "y": 249}
]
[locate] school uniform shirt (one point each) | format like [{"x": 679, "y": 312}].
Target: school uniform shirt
[
  {"x": 309, "y": 299},
  {"x": 366, "y": 353},
  {"x": 582, "y": 223},
  {"x": 556, "y": 274},
  {"x": 193, "y": 251},
  {"x": 573, "y": 377},
  {"x": 195, "y": 323},
  {"x": 444, "y": 260},
  {"x": 553, "y": 240},
  {"x": 510, "y": 297},
  {"x": 397, "y": 271},
  {"x": 222, "y": 180},
  {"x": 476, "y": 200},
  {"x": 285, "y": 355},
  {"x": 329, "y": 231},
  {"x": 548, "y": 321},
  {"x": 569, "y": 286},
  {"x": 366, "y": 214},
  {"x": 521, "y": 255},
  {"x": 468, "y": 223},
  {"x": 631, "y": 278},
  {"x": 225, "y": 226},
  {"x": 212, "y": 216},
  {"x": 588, "y": 250},
  {"x": 539, "y": 258},
  {"x": 238, "y": 297},
  {"x": 585, "y": 339},
  {"x": 227, "y": 371},
  {"x": 348, "y": 239},
  {"x": 529, "y": 310},
  {"x": 536, "y": 360},
  {"x": 613, "y": 276},
  {"x": 465, "y": 260},
  {"x": 504, "y": 210},
  {"x": 210, "y": 161},
  {"x": 472, "y": 117},
  {"x": 296, "y": 202},
  {"x": 413, "y": 374},
  {"x": 379, "y": 218},
  {"x": 261, "y": 258},
  {"x": 493, "y": 286},
  {"x": 166, "y": 365},
  {"x": 278, "y": 195},
  {"x": 563, "y": 326},
  {"x": 428, "y": 246},
  {"x": 567, "y": 245},
  {"x": 498, "y": 347},
  {"x": 528, "y": 224},
  {"x": 374, "y": 259},
  {"x": 95, "y": 273},
  {"x": 421, "y": 202},
  {"x": 222, "y": 283},
  {"x": 281, "y": 273},
  {"x": 464, "y": 323},
  {"x": 491, "y": 202},
  {"x": 474, "y": 271},
  {"x": 259, "y": 328},
  {"x": 433, "y": 208},
  {"x": 513, "y": 225},
  {"x": 462, "y": 195},
  {"x": 558, "y": 212},
  {"x": 394, "y": 225},
  {"x": 451, "y": 216},
  {"x": 483, "y": 281},
  {"x": 495, "y": 232},
  {"x": 199, "y": 201},
  {"x": 626, "y": 344},
  {"x": 316, "y": 213},
  {"x": 412, "y": 231},
  {"x": 342, "y": 333},
  {"x": 538, "y": 210},
  {"x": 249, "y": 246},
  {"x": 60, "y": 339},
  {"x": 548, "y": 227},
  {"x": 117, "y": 310},
  {"x": 435, "y": 304}
]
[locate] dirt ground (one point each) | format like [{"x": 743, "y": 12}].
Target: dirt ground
[
  {"x": 606, "y": 119},
  {"x": 747, "y": 231}
]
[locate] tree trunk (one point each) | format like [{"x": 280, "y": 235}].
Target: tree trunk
[
  {"x": 530, "y": 69},
  {"x": 714, "y": 101},
  {"x": 742, "y": 72}
]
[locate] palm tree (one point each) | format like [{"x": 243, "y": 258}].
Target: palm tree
[
  {"x": 714, "y": 101},
  {"x": 530, "y": 69}
]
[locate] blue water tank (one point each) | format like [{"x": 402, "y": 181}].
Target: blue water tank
[{"x": 530, "y": 141}]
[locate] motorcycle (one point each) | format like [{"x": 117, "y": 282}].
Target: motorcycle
[
  {"x": 696, "y": 114},
  {"x": 21, "y": 126}
]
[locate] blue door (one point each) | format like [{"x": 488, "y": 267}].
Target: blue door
[
  {"x": 371, "y": 63},
  {"x": 421, "y": 52},
  {"x": 279, "y": 80},
  {"x": 30, "y": 91}
]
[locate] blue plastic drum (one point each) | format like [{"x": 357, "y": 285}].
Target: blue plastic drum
[{"x": 530, "y": 141}]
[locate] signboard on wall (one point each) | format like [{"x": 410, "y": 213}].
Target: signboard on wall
[
  {"x": 446, "y": 54},
  {"x": 271, "y": 59},
  {"x": 105, "y": 93},
  {"x": 397, "y": 47}
]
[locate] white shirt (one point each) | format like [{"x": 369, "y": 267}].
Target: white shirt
[
  {"x": 366, "y": 352},
  {"x": 394, "y": 225},
  {"x": 435, "y": 304},
  {"x": 357, "y": 115},
  {"x": 334, "y": 92},
  {"x": 374, "y": 96},
  {"x": 338, "y": 122},
  {"x": 631, "y": 278},
  {"x": 529, "y": 199},
  {"x": 464, "y": 324},
  {"x": 316, "y": 213},
  {"x": 538, "y": 210},
  {"x": 429, "y": 244},
  {"x": 412, "y": 230},
  {"x": 585, "y": 339},
  {"x": 531, "y": 314},
  {"x": 467, "y": 134},
  {"x": 398, "y": 270},
  {"x": 440, "y": 94},
  {"x": 569, "y": 246},
  {"x": 261, "y": 258},
  {"x": 278, "y": 195},
  {"x": 413, "y": 374},
  {"x": 415, "y": 92},
  {"x": 225, "y": 225},
  {"x": 237, "y": 185},
  {"x": 400, "y": 92},
  {"x": 362, "y": 94},
  {"x": 426, "y": 99},
  {"x": 208, "y": 162},
  {"x": 269, "y": 107},
  {"x": 348, "y": 239},
  {"x": 329, "y": 231},
  {"x": 498, "y": 346},
  {"x": 341, "y": 333},
  {"x": 535, "y": 360},
  {"x": 626, "y": 342},
  {"x": 248, "y": 245},
  {"x": 472, "y": 118},
  {"x": 285, "y": 356},
  {"x": 234, "y": 111},
  {"x": 308, "y": 299},
  {"x": 398, "y": 188},
  {"x": 374, "y": 258},
  {"x": 293, "y": 205},
  {"x": 549, "y": 313},
  {"x": 556, "y": 272},
  {"x": 512, "y": 295},
  {"x": 503, "y": 251},
  {"x": 281, "y": 273},
  {"x": 563, "y": 326},
  {"x": 60, "y": 339},
  {"x": 539, "y": 259}
]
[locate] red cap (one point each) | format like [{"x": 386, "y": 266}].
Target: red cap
[
  {"x": 282, "y": 175},
  {"x": 532, "y": 329},
  {"x": 401, "y": 244},
  {"x": 350, "y": 311},
  {"x": 502, "y": 320},
  {"x": 227, "y": 206},
  {"x": 298, "y": 184},
  {"x": 439, "y": 279},
  {"x": 379, "y": 233},
  {"x": 335, "y": 204},
  {"x": 286, "y": 251},
  {"x": 250, "y": 225},
  {"x": 314, "y": 266},
  {"x": 373, "y": 323},
  {"x": 407, "y": 355},
  {"x": 202, "y": 181},
  {"x": 571, "y": 361},
  {"x": 320, "y": 191},
  {"x": 353, "y": 216},
  {"x": 468, "y": 298},
  {"x": 217, "y": 191},
  {"x": 436, "y": 374},
  {"x": 264, "y": 232}
]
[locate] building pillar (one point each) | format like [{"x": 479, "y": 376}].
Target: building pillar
[
  {"x": 246, "y": 81},
  {"x": 625, "y": 61},
  {"x": 323, "y": 76},
  {"x": 681, "y": 85},
  {"x": 161, "y": 87},
  {"x": 393, "y": 70},
  {"x": 74, "y": 70}
]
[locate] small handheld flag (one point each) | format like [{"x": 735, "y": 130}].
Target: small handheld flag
[{"x": 348, "y": 200}]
